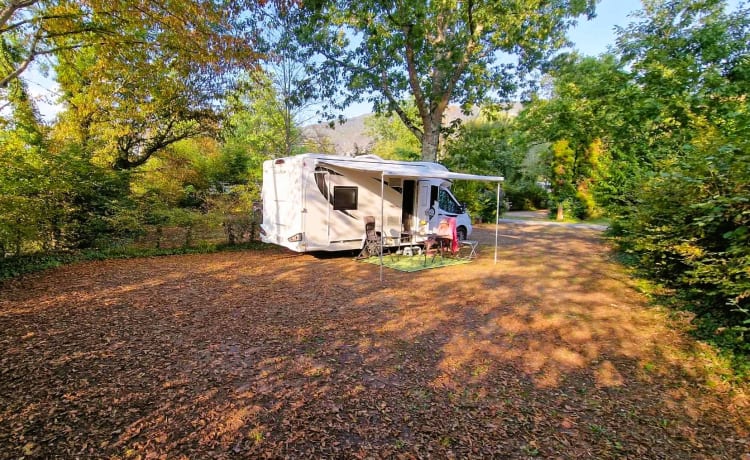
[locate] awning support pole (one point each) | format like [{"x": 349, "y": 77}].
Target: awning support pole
[
  {"x": 382, "y": 215},
  {"x": 497, "y": 218}
]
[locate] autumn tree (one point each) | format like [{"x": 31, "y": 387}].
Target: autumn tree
[
  {"x": 135, "y": 76},
  {"x": 434, "y": 52},
  {"x": 581, "y": 114},
  {"x": 32, "y": 29}
]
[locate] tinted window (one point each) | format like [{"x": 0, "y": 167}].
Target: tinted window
[
  {"x": 447, "y": 203},
  {"x": 344, "y": 198}
]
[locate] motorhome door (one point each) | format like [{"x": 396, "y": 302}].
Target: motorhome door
[
  {"x": 408, "y": 191},
  {"x": 427, "y": 205},
  {"x": 315, "y": 209}
]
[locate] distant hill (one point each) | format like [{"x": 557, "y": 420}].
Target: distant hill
[
  {"x": 350, "y": 137},
  {"x": 347, "y": 138}
]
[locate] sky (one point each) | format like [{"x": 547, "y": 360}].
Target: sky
[{"x": 590, "y": 38}]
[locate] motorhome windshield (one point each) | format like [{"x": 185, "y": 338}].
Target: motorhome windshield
[{"x": 448, "y": 203}]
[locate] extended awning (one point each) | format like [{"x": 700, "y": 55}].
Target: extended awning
[{"x": 414, "y": 170}]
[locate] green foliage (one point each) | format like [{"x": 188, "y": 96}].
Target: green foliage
[
  {"x": 259, "y": 121},
  {"x": 690, "y": 226},
  {"x": 580, "y": 117},
  {"x": 691, "y": 229},
  {"x": 52, "y": 196},
  {"x": 562, "y": 162},
  {"x": 526, "y": 195},
  {"x": 435, "y": 52},
  {"x": 484, "y": 146},
  {"x": 392, "y": 139}
]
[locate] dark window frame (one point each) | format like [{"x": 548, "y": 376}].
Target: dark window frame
[{"x": 338, "y": 197}]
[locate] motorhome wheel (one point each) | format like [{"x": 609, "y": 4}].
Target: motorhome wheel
[{"x": 461, "y": 233}]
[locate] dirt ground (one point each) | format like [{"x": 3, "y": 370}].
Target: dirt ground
[{"x": 549, "y": 353}]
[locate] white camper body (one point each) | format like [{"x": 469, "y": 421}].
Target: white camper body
[{"x": 315, "y": 202}]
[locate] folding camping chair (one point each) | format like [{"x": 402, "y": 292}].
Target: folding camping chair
[
  {"x": 468, "y": 249},
  {"x": 445, "y": 239},
  {"x": 372, "y": 243}
]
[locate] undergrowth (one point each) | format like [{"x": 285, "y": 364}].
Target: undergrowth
[
  {"x": 12, "y": 267},
  {"x": 732, "y": 343}
]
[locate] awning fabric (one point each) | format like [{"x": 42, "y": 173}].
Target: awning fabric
[{"x": 404, "y": 169}]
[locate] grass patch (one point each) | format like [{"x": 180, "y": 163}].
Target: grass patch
[
  {"x": 596, "y": 221},
  {"x": 415, "y": 263}
]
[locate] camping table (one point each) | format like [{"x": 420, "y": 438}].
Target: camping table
[{"x": 472, "y": 245}]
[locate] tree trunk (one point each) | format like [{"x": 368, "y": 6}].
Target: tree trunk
[
  {"x": 188, "y": 236},
  {"x": 19, "y": 239},
  {"x": 560, "y": 214},
  {"x": 431, "y": 139}
]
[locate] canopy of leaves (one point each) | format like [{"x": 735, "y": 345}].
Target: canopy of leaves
[
  {"x": 30, "y": 29},
  {"x": 434, "y": 52},
  {"x": 135, "y": 76}
]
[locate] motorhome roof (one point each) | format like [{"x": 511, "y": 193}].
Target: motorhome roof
[{"x": 394, "y": 168}]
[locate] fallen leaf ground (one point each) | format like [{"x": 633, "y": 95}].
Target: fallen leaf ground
[{"x": 551, "y": 352}]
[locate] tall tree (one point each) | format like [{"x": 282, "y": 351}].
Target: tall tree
[
  {"x": 135, "y": 76},
  {"x": 436, "y": 52},
  {"x": 32, "y": 29},
  {"x": 287, "y": 71},
  {"x": 582, "y": 115}
]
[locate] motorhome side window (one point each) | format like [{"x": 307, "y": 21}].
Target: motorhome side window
[
  {"x": 447, "y": 203},
  {"x": 344, "y": 198}
]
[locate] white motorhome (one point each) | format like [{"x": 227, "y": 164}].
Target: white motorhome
[{"x": 316, "y": 202}]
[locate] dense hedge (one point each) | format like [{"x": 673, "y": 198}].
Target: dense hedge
[{"x": 691, "y": 231}]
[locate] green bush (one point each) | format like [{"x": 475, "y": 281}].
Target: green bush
[
  {"x": 691, "y": 231},
  {"x": 526, "y": 196}
]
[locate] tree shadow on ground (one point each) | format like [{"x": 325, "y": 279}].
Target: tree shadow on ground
[{"x": 549, "y": 352}]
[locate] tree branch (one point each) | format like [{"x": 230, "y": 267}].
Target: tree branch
[
  {"x": 37, "y": 20},
  {"x": 11, "y": 7},
  {"x": 394, "y": 105},
  {"x": 21, "y": 68},
  {"x": 474, "y": 31},
  {"x": 412, "y": 72}
]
